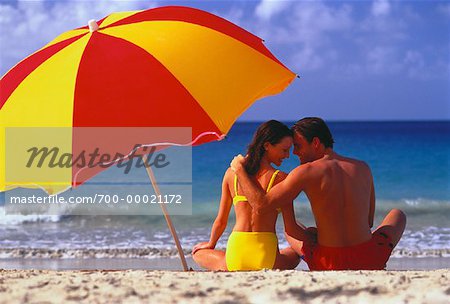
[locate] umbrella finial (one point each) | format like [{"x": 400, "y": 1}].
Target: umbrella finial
[{"x": 93, "y": 26}]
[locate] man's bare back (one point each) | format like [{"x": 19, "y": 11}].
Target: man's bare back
[{"x": 339, "y": 190}]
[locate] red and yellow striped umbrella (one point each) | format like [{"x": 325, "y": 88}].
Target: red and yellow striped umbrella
[{"x": 163, "y": 67}]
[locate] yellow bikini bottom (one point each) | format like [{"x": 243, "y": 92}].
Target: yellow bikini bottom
[{"x": 251, "y": 250}]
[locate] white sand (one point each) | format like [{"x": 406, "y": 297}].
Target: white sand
[{"x": 137, "y": 286}]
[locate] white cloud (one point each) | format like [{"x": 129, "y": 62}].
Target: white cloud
[
  {"x": 306, "y": 25},
  {"x": 347, "y": 39},
  {"x": 29, "y": 25},
  {"x": 305, "y": 22},
  {"x": 381, "y": 35},
  {"x": 444, "y": 9},
  {"x": 414, "y": 63},
  {"x": 418, "y": 66},
  {"x": 235, "y": 15},
  {"x": 388, "y": 25},
  {"x": 414, "y": 57},
  {"x": 383, "y": 59},
  {"x": 268, "y": 8},
  {"x": 307, "y": 59},
  {"x": 381, "y": 8}
]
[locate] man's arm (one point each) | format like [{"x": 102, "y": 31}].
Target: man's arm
[
  {"x": 281, "y": 194},
  {"x": 296, "y": 230}
]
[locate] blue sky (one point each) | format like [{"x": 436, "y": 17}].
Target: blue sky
[{"x": 358, "y": 60}]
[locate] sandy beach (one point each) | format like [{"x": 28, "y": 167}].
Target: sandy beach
[
  {"x": 45, "y": 278},
  {"x": 138, "y": 286}
]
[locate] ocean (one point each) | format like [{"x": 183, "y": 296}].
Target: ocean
[{"x": 410, "y": 162}]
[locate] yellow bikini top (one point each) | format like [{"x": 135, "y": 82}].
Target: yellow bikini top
[{"x": 242, "y": 198}]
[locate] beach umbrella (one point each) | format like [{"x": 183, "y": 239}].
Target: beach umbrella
[{"x": 163, "y": 67}]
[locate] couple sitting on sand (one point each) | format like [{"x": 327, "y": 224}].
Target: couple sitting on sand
[{"x": 342, "y": 197}]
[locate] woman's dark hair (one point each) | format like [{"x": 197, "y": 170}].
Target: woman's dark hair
[
  {"x": 311, "y": 127},
  {"x": 271, "y": 131}
]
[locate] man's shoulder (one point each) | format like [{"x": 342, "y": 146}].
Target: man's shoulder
[
  {"x": 356, "y": 162},
  {"x": 338, "y": 162},
  {"x": 305, "y": 169}
]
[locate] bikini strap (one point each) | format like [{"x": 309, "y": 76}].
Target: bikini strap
[
  {"x": 237, "y": 197},
  {"x": 272, "y": 179}
]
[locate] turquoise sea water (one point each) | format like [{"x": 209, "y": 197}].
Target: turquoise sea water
[{"x": 410, "y": 162}]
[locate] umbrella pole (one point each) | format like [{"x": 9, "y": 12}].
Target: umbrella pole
[{"x": 166, "y": 214}]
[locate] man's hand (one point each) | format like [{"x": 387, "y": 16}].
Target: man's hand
[
  {"x": 204, "y": 245},
  {"x": 311, "y": 235},
  {"x": 237, "y": 163}
]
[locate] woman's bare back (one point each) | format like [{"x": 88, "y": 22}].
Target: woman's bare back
[{"x": 246, "y": 219}]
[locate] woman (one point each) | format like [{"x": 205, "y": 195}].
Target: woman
[{"x": 253, "y": 244}]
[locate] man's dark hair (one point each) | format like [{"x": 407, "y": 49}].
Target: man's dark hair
[{"x": 310, "y": 127}]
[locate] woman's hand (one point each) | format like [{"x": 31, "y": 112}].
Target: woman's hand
[{"x": 203, "y": 245}]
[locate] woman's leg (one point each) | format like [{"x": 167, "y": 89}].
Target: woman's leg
[
  {"x": 286, "y": 258},
  {"x": 211, "y": 259}
]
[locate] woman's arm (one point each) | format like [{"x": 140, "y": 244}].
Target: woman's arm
[{"x": 221, "y": 221}]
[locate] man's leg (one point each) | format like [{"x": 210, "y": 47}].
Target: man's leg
[
  {"x": 211, "y": 259},
  {"x": 296, "y": 245},
  {"x": 393, "y": 225},
  {"x": 286, "y": 258}
]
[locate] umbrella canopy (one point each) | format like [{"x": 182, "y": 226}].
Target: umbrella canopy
[{"x": 164, "y": 67}]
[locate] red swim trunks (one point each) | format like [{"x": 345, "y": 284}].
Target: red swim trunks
[{"x": 371, "y": 255}]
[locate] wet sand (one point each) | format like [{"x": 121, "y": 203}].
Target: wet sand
[{"x": 173, "y": 263}]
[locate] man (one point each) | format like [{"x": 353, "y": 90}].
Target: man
[{"x": 342, "y": 197}]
